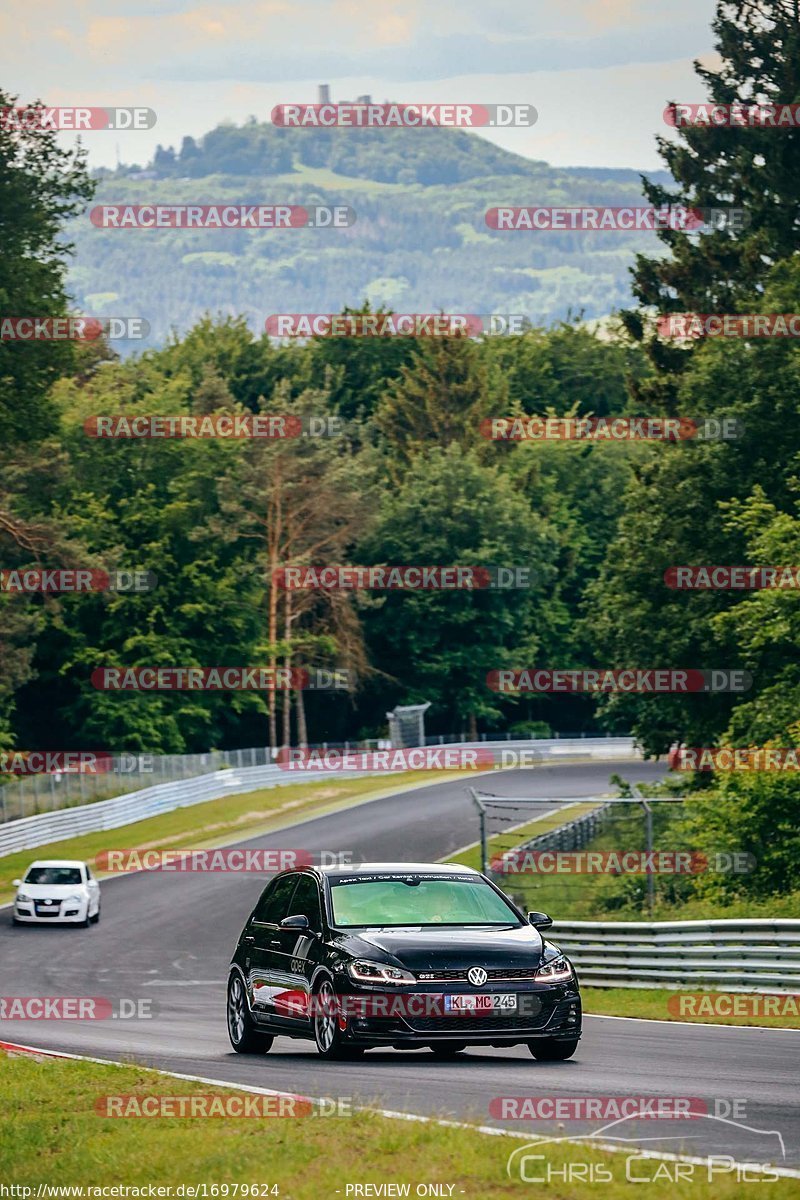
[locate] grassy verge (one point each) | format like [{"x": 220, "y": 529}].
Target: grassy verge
[
  {"x": 51, "y": 1134},
  {"x": 653, "y": 1003},
  {"x": 216, "y": 822}
]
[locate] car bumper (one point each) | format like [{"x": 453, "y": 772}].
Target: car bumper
[
  {"x": 69, "y": 916},
  {"x": 553, "y": 1013}
]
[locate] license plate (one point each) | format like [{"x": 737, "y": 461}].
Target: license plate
[{"x": 480, "y": 1002}]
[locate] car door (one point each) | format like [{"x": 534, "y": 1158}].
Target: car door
[
  {"x": 299, "y": 950},
  {"x": 263, "y": 943}
]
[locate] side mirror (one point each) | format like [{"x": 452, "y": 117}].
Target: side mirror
[
  {"x": 16, "y": 883},
  {"x": 298, "y": 921},
  {"x": 540, "y": 920}
]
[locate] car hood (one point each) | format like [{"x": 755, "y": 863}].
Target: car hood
[
  {"x": 52, "y": 891},
  {"x": 443, "y": 948}
]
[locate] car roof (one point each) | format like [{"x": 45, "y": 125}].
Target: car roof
[
  {"x": 58, "y": 862},
  {"x": 396, "y": 868}
]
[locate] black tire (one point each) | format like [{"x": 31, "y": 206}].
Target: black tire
[
  {"x": 242, "y": 1033},
  {"x": 96, "y": 917},
  {"x": 550, "y": 1050},
  {"x": 328, "y": 1036},
  {"x": 86, "y": 922},
  {"x": 14, "y": 921},
  {"x": 445, "y": 1051}
]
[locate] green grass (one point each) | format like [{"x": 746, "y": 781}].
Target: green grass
[
  {"x": 218, "y": 822},
  {"x": 51, "y": 1134},
  {"x": 653, "y": 1003}
]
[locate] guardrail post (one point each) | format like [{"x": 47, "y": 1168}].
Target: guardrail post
[
  {"x": 482, "y": 820},
  {"x": 648, "y": 833}
]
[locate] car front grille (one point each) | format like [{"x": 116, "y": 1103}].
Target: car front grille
[{"x": 461, "y": 976}]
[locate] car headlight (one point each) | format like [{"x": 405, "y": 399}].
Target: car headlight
[
  {"x": 373, "y": 972},
  {"x": 25, "y": 899},
  {"x": 557, "y": 970},
  {"x": 75, "y": 899}
]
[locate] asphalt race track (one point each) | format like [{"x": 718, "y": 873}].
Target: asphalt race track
[{"x": 168, "y": 937}]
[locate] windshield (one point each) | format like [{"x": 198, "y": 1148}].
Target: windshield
[
  {"x": 54, "y": 875},
  {"x": 418, "y": 900}
]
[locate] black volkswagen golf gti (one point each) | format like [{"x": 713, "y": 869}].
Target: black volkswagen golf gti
[{"x": 399, "y": 955}]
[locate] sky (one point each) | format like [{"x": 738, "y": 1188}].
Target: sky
[{"x": 599, "y": 72}]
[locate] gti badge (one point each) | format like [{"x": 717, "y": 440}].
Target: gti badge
[{"x": 477, "y": 976}]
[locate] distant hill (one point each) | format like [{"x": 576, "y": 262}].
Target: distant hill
[{"x": 420, "y": 243}]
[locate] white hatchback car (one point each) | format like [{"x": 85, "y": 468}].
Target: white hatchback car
[{"x": 57, "y": 891}]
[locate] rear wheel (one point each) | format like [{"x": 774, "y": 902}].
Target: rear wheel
[
  {"x": 445, "y": 1051},
  {"x": 244, "y": 1037},
  {"x": 550, "y": 1050}
]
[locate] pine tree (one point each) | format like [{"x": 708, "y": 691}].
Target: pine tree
[{"x": 754, "y": 169}]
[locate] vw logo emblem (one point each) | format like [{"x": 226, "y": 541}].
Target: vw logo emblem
[{"x": 477, "y": 976}]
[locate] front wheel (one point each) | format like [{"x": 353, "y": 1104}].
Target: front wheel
[
  {"x": 550, "y": 1050},
  {"x": 244, "y": 1037},
  {"x": 328, "y": 1033}
]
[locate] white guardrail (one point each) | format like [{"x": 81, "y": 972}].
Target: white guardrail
[
  {"x": 29, "y": 832},
  {"x": 738, "y": 956}
]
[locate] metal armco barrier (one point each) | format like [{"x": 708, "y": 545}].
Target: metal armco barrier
[
  {"x": 29, "y": 832},
  {"x": 736, "y": 956},
  {"x": 573, "y": 835}
]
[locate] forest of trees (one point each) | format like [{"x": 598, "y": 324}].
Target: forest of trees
[{"x": 411, "y": 479}]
